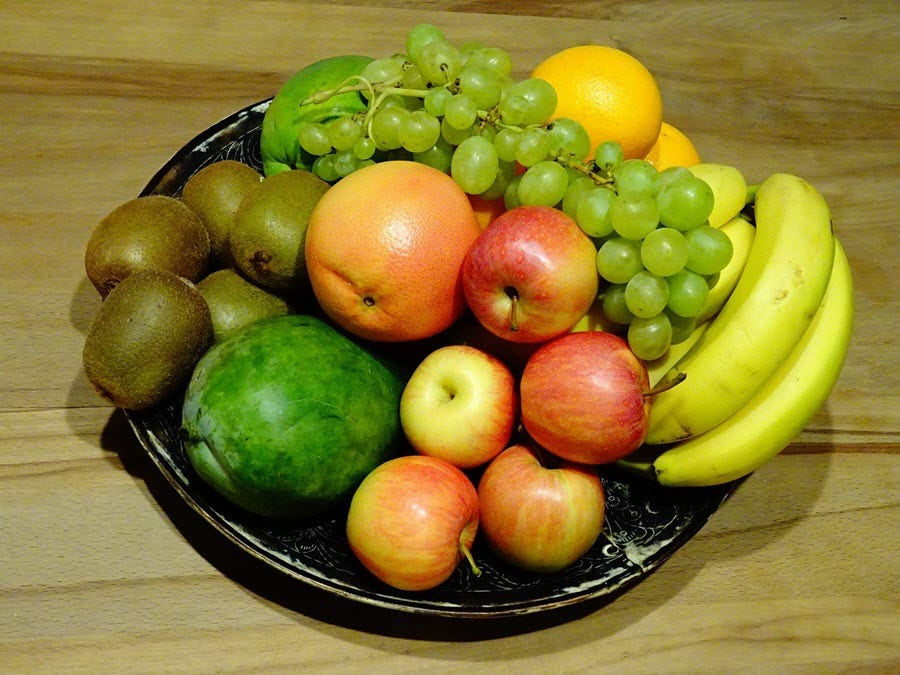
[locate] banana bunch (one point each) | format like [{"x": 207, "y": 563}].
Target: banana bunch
[{"x": 759, "y": 369}]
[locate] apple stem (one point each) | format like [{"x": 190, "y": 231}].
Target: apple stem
[
  {"x": 665, "y": 385},
  {"x": 467, "y": 554},
  {"x": 513, "y": 313}
]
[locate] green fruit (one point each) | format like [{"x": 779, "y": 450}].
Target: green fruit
[
  {"x": 286, "y": 417},
  {"x": 214, "y": 193},
  {"x": 279, "y": 143},
  {"x": 234, "y": 302},
  {"x": 268, "y": 234},
  {"x": 146, "y": 338}
]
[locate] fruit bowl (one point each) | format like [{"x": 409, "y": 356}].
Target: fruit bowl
[{"x": 645, "y": 524}]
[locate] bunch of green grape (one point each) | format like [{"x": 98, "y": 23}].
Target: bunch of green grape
[
  {"x": 657, "y": 256},
  {"x": 459, "y": 110},
  {"x": 456, "y": 109}
]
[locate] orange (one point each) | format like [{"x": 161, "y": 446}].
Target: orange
[
  {"x": 384, "y": 251},
  {"x": 672, "y": 148},
  {"x": 486, "y": 209},
  {"x": 609, "y": 92}
]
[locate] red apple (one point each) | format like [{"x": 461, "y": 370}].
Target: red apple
[
  {"x": 583, "y": 397},
  {"x": 540, "y": 517},
  {"x": 459, "y": 405},
  {"x": 412, "y": 520},
  {"x": 531, "y": 274}
]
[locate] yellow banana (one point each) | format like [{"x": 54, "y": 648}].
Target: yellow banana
[
  {"x": 741, "y": 234},
  {"x": 729, "y": 190},
  {"x": 658, "y": 368},
  {"x": 770, "y": 308},
  {"x": 781, "y": 409}
]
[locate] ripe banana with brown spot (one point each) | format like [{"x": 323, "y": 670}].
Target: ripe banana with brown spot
[
  {"x": 780, "y": 410},
  {"x": 729, "y": 190},
  {"x": 768, "y": 312}
]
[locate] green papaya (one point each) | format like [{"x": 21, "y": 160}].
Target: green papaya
[
  {"x": 288, "y": 415},
  {"x": 279, "y": 143}
]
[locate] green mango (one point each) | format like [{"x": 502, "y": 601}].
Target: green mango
[
  {"x": 288, "y": 415},
  {"x": 279, "y": 146}
]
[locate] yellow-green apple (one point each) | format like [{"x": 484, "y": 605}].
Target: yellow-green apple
[
  {"x": 538, "y": 512},
  {"x": 531, "y": 274},
  {"x": 584, "y": 397},
  {"x": 460, "y": 405},
  {"x": 412, "y": 520}
]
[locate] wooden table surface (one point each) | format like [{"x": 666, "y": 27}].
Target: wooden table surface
[{"x": 103, "y": 567}]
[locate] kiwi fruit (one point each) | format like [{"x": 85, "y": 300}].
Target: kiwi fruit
[
  {"x": 235, "y": 302},
  {"x": 145, "y": 339},
  {"x": 152, "y": 231},
  {"x": 268, "y": 235},
  {"x": 215, "y": 192}
]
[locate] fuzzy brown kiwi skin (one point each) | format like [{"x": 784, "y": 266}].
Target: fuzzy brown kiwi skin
[
  {"x": 154, "y": 231},
  {"x": 145, "y": 339},
  {"x": 234, "y": 302},
  {"x": 215, "y": 193}
]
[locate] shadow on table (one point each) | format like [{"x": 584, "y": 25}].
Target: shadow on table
[{"x": 296, "y": 596}]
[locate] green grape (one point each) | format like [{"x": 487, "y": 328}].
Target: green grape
[
  {"x": 543, "y": 184},
  {"x": 491, "y": 59},
  {"x": 435, "y": 101},
  {"x": 313, "y": 137},
  {"x": 636, "y": 178},
  {"x": 650, "y": 338},
  {"x": 511, "y": 193},
  {"x": 533, "y": 146},
  {"x": 343, "y": 132},
  {"x": 323, "y": 167},
  {"x": 419, "y": 131},
  {"x": 419, "y": 36},
  {"x": 513, "y": 109},
  {"x": 467, "y": 49},
  {"x": 646, "y": 294},
  {"x": 364, "y": 148},
  {"x": 386, "y": 126},
  {"x": 614, "y": 307},
  {"x": 671, "y": 174},
  {"x": 507, "y": 143},
  {"x": 506, "y": 171},
  {"x": 608, "y": 156},
  {"x": 577, "y": 189},
  {"x": 664, "y": 251},
  {"x": 439, "y": 62},
  {"x": 634, "y": 217},
  {"x": 568, "y": 137},
  {"x": 460, "y": 112},
  {"x": 452, "y": 135},
  {"x": 407, "y": 103},
  {"x": 688, "y": 293},
  {"x": 541, "y": 97},
  {"x": 344, "y": 163},
  {"x": 474, "y": 165},
  {"x": 413, "y": 78},
  {"x": 685, "y": 202},
  {"x": 592, "y": 214},
  {"x": 382, "y": 70},
  {"x": 437, "y": 156},
  {"x": 481, "y": 85},
  {"x": 619, "y": 259},
  {"x": 709, "y": 250},
  {"x": 682, "y": 326}
]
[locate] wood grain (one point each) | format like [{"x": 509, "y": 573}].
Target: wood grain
[{"x": 105, "y": 569}]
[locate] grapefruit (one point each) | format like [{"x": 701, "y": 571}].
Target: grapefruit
[{"x": 384, "y": 250}]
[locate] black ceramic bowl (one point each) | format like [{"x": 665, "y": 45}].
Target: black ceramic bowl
[{"x": 645, "y": 524}]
